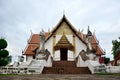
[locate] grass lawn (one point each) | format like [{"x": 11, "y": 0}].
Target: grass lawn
[
  {"x": 98, "y": 76},
  {"x": 107, "y": 74}
]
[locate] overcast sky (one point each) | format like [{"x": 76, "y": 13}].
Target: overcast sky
[{"x": 18, "y": 17}]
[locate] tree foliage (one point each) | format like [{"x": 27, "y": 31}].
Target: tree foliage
[
  {"x": 115, "y": 47},
  {"x": 3, "y": 53},
  {"x": 3, "y": 62},
  {"x": 3, "y": 43},
  {"x": 106, "y": 60}
]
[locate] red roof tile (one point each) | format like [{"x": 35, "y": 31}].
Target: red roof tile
[
  {"x": 94, "y": 40},
  {"x": 30, "y": 48},
  {"x": 47, "y": 34},
  {"x": 99, "y": 51},
  {"x": 96, "y": 46},
  {"x": 35, "y": 39},
  {"x": 33, "y": 43}
]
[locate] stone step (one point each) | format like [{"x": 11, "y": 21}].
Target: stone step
[
  {"x": 64, "y": 64},
  {"x": 65, "y": 70},
  {"x": 65, "y": 67}
]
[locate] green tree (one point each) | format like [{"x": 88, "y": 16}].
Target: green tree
[
  {"x": 4, "y": 54},
  {"x": 106, "y": 60},
  {"x": 115, "y": 47}
]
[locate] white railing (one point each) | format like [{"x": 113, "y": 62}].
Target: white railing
[
  {"x": 36, "y": 68},
  {"x": 102, "y": 68},
  {"x": 113, "y": 69},
  {"x": 95, "y": 67},
  {"x": 91, "y": 67},
  {"x": 11, "y": 70}
]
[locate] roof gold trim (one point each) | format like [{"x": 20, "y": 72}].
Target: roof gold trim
[{"x": 64, "y": 19}]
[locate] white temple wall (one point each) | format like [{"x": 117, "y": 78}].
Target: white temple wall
[
  {"x": 48, "y": 62},
  {"x": 29, "y": 58},
  {"x": 91, "y": 56},
  {"x": 49, "y": 44},
  {"x": 97, "y": 58},
  {"x": 81, "y": 63},
  {"x": 58, "y": 38},
  {"x": 70, "y": 38},
  {"x": 57, "y": 55},
  {"x": 79, "y": 46},
  {"x": 70, "y": 56}
]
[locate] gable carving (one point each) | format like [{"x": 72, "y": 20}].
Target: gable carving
[
  {"x": 64, "y": 27},
  {"x": 63, "y": 43}
]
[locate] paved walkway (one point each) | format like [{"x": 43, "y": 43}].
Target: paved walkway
[{"x": 61, "y": 77}]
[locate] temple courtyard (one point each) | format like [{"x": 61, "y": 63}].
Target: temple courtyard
[{"x": 61, "y": 77}]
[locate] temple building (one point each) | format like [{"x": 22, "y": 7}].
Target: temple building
[{"x": 63, "y": 49}]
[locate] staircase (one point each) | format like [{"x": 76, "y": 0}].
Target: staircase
[{"x": 65, "y": 67}]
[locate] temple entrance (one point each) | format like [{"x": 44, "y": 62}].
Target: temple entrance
[{"x": 63, "y": 54}]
